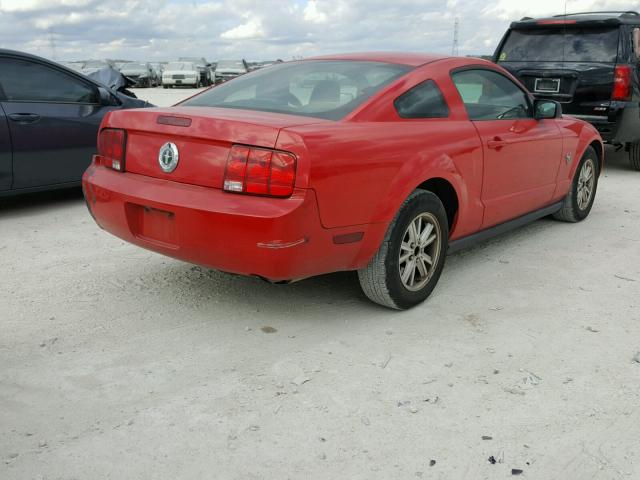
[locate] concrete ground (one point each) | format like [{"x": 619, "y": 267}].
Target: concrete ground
[{"x": 117, "y": 363}]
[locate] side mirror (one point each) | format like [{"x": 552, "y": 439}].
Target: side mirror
[
  {"x": 106, "y": 98},
  {"x": 547, "y": 109},
  {"x": 636, "y": 43}
]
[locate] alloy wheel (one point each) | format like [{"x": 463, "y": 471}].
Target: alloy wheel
[
  {"x": 419, "y": 251},
  {"x": 586, "y": 184}
]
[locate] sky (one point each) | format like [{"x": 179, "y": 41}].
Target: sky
[{"x": 264, "y": 29}]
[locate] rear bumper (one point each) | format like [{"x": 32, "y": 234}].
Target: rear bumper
[
  {"x": 621, "y": 125},
  {"x": 277, "y": 239}
]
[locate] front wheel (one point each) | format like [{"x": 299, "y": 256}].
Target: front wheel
[
  {"x": 408, "y": 264},
  {"x": 582, "y": 193}
]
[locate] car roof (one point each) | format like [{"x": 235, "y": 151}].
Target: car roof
[
  {"x": 409, "y": 59},
  {"x": 35, "y": 58},
  {"x": 593, "y": 19}
]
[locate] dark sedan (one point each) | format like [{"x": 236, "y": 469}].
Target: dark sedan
[{"x": 49, "y": 120}]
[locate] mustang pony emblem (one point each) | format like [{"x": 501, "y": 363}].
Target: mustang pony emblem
[{"x": 168, "y": 157}]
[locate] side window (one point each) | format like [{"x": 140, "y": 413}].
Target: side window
[
  {"x": 24, "y": 81},
  {"x": 488, "y": 95},
  {"x": 422, "y": 101}
]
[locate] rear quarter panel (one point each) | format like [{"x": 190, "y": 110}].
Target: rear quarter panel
[{"x": 362, "y": 173}]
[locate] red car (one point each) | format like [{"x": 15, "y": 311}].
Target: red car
[{"x": 379, "y": 163}]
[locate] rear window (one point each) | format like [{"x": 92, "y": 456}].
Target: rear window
[
  {"x": 561, "y": 44},
  {"x": 422, "y": 101},
  {"x": 321, "y": 88}
]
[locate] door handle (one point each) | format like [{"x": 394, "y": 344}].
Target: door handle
[
  {"x": 24, "y": 118},
  {"x": 497, "y": 143}
]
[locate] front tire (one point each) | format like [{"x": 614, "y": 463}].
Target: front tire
[
  {"x": 634, "y": 155},
  {"x": 582, "y": 193},
  {"x": 408, "y": 264}
]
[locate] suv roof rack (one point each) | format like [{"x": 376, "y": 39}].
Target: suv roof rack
[{"x": 619, "y": 12}]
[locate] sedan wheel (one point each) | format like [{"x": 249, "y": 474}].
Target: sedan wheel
[
  {"x": 579, "y": 200},
  {"x": 586, "y": 183},
  {"x": 419, "y": 251},
  {"x": 408, "y": 264}
]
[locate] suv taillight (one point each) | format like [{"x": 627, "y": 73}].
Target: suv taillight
[
  {"x": 622, "y": 85},
  {"x": 111, "y": 148},
  {"x": 260, "y": 171}
]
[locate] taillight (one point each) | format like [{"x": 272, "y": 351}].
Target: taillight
[
  {"x": 111, "y": 148},
  {"x": 622, "y": 88},
  {"x": 260, "y": 171}
]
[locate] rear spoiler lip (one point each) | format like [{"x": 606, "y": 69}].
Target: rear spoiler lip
[{"x": 555, "y": 22}]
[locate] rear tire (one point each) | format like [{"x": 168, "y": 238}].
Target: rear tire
[
  {"x": 408, "y": 264},
  {"x": 582, "y": 193},
  {"x": 634, "y": 155}
]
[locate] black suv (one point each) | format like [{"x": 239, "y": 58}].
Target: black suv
[{"x": 589, "y": 62}]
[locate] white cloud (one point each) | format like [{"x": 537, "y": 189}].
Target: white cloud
[
  {"x": 251, "y": 29},
  {"x": 34, "y": 5},
  {"x": 312, "y": 14}
]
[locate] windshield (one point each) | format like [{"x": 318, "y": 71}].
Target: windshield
[
  {"x": 557, "y": 45},
  {"x": 323, "y": 88},
  {"x": 234, "y": 64},
  {"x": 134, "y": 66},
  {"x": 180, "y": 66}
]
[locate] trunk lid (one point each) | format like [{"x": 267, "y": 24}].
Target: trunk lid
[{"x": 203, "y": 139}]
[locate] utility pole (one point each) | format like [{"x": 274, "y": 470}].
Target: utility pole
[
  {"x": 454, "y": 47},
  {"x": 52, "y": 44}
]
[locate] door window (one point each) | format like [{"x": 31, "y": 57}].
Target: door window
[
  {"x": 24, "y": 81},
  {"x": 488, "y": 95}
]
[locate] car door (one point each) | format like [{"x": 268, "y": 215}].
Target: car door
[
  {"x": 53, "y": 119},
  {"x": 521, "y": 154},
  {"x": 6, "y": 174}
]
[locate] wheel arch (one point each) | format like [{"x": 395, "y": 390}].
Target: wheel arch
[
  {"x": 598, "y": 146},
  {"x": 447, "y": 194}
]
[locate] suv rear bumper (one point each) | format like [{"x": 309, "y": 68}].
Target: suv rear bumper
[
  {"x": 276, "y": 239},
  {"x": 622, "y": 125}
]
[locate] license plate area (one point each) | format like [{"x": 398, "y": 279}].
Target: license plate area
[
  {"x": 153, "y": 225},
  {"x": 547, "y": 85}
]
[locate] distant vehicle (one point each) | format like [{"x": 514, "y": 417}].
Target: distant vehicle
[
  {"x": 228, "y": 69},
  {"x": 203, "y": 67},
  {"x": 179, "y": 74},
  {"x": 142, "y": 74},
  {"x": 91, "y": 66},
  {"x": 589, "y": 62},
  {"x": 119, "y": 65},
  {"x": 375, "y": 162},
  {"x": 49, "y": 119},
  {"x": 77, "y": 66},
  {"x": 159, "y": 68}
]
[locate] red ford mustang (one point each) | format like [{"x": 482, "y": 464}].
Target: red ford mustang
[{"x": 379, "y": 163}]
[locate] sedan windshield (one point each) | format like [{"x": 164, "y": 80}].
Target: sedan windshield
[
  {"x": 322, "y": 88},
  {"x": 180, "y": 66}
]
